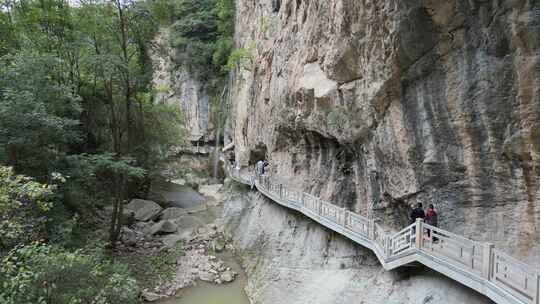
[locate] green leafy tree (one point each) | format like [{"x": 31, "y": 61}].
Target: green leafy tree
[
  {"x": 73, "y": 82},
  {"x": 113, "y": 173},
  {"x": 224, "y": 10},
  {"x": 43, "y": 274},
  {"x": 23, "y": 204},
  {"x": 242, "y": 57},
  {"x": 38, "y": 115}
]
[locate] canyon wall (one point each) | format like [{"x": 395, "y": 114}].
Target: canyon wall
[
  {"x": 175, "y": 85},
  {"x": 378, "y": 105},
  {"x": 290, "y": 259}
]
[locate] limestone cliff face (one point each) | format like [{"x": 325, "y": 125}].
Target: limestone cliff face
[
  {"x": 291, "y": 260},
  {"x": 376, "y": 105},
  {"x": 175, "y": 85}
]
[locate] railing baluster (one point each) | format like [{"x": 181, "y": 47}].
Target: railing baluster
[
  {"x": 537, "y": 293},
  {"x": 487, "y": 260},
  {"x": 472, "y": 256},
  {"x": 371, "y": 229},
  {"x": 419, "y": 233}
]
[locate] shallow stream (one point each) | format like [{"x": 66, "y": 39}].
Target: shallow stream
[
  {"x": 206, "y": 293},
  {"x": 203, "y": 292}
]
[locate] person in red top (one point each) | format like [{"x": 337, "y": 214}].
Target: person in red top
[{"x": 431, "y": 218}]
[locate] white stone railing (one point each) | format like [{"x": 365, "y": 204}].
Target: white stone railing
[{"x": 477, "y": 265}]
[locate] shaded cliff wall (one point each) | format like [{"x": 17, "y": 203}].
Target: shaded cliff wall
[
  {"x": 177, "y": 86},
  {"x": 291, "y": 259},
  {"x": 377, "y": 105}
]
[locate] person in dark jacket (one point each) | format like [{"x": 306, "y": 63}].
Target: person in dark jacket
[
  {"x": 265, "y": 167},
  {"x": 417, "y": 213}
]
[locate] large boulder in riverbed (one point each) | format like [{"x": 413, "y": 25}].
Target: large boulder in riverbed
[
  {"x": 206, "y": 276},
  {"x": 228, "y": 276},
  {"x": 188, "y": 222},
  {"x": 173, "y": 213},
  {"x": 144, "y": 210},
  {"x": 197, "y": 208},
  {"x": 128, "y": 217},
  {"x": 163, "y": 227},
  {"x": 169, "y": 241},
  {"x": 130, "y": 237},
  {"x": 213, "y": 191},
  {"x": 150, "y": 296},
  {"x": 175, "y": 195}
]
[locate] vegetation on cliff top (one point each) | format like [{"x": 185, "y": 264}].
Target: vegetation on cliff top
[{"x": 202, "y": 36}]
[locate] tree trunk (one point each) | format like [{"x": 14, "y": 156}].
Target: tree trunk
[{"x": 127, "y": 76}]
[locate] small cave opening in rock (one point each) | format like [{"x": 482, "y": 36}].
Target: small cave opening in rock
[{"x": 259, "y": 152}]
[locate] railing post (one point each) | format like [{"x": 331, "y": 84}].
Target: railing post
[
  {"x": 537, "y": 293},
  {"x": 302, "y": 199},
  {"x": 419, "y": 233},
  {"x": 487, "y": 260},
  {"x": 281, "y": 190},
  {"x": 371, "y": 229},
  {"x": 388, "y": 245}
]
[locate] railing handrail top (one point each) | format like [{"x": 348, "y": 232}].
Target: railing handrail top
[
  {"x": 452, "y": 234},
  {"x": 525, "y": 267}
]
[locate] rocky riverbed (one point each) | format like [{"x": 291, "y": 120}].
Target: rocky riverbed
[
  {"x": 193, "y": 237},
  {"x": 287, "y": 257}
]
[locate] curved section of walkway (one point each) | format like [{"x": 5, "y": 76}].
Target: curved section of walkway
[{"x": 477, "y": 265}]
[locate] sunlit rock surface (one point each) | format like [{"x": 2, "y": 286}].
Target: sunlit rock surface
[
  {"x": 175, "y": 85},
  {"x": 290, "y": 259},
  {"x": 378, "y": 105}
]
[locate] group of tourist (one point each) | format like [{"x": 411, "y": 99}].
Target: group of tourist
[
  {"x": 261, "y": 167},
  {"x": 429, "y": 216}
]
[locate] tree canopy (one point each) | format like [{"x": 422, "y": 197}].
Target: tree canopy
[{"x": 80, "y": 130}]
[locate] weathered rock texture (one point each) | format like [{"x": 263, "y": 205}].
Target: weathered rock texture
[
  {"x": 143, "y": 210},
  {"x": 175, "y": 85},
  {"x": 377, "y": 105},
  {"x": 291, "y": 260}
]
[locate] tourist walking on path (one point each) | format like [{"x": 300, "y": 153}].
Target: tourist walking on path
[
  {"x": 259, "y": 170},
  {"x": 431, "y": 219},
  {"x": 417, "y": 213},
  {"x": 265, "y": 167},
  {"x": 431, "y": 216},
  {"x": 259, "y": 167}
]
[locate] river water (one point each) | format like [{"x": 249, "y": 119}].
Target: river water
[
  {"x": 203, "y": 293},
  {"x": 206, "y": 293}
]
